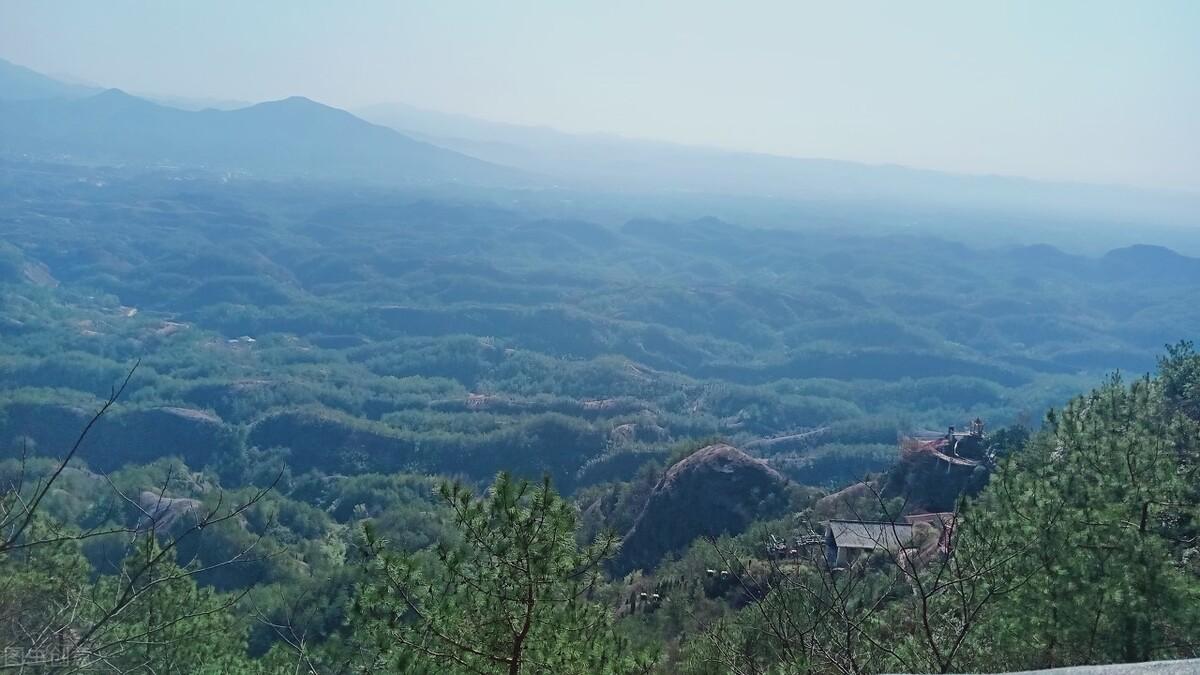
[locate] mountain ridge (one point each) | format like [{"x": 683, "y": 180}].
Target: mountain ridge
[
  {"x": 287, "y": 138},
  {"x": 611, "y": 162},
  {"x": 20, "y": 83},
  {"x": 405, "y": 145}
]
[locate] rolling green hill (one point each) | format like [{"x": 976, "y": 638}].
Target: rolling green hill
[{"x": 356, "y": 331}]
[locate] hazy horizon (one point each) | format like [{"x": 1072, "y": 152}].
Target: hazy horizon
[{"x": 1079, "y": 92}]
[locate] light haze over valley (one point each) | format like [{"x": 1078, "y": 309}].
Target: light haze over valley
[{"x": 598, "y": 337}]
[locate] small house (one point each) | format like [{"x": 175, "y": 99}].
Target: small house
[{"x": 845, "y": 539}]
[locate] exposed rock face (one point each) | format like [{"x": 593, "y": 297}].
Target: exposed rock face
[
  {"x": 930, "y": 484},
  {"x": 629, "y": 433},
  {"x": 927, "y": 479},
  {"x": 718, "y": 489},
  {"x": 855, "y": 501},
  {"x": 163, "y": 512}
]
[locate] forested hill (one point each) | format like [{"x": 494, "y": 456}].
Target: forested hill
[
  {"x": 349, "y": 331},
  {"x": 865, "y": 375},
  {"x": 702, "y": 397}
]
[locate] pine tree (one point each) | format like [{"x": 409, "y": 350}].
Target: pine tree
[
  {"x": 1100, "y": 491},
  {"x": 513, "y": 596}
]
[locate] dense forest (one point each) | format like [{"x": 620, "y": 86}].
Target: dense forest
[
  {"x": 313, "y": 326},
  {"x": 290, "y": 426},
  {"x": 1075, "y": 543}
]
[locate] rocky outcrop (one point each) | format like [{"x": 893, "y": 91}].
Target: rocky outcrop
[
  {"x": 716, "y": 490},
  {"x": 858, "y": 501},
  {"x": 162, "y": 512},
  {"x": 629, "y": 433}
]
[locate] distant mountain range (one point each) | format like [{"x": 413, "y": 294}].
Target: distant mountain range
[
  {"x": 603, "y": 161},
  {"x": 42, "y": 117}
]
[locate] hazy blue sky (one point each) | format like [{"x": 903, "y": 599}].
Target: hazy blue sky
[{"x": 1089, "y": 90}]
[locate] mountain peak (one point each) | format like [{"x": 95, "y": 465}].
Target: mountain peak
[
  {"x": 299, "y": 106},
  {"x": 717, "y": 489},
  {"x": 114, "y": 94},
  {"x": 298, "y": 100},
  {"x": 294, "y": 103},
  {"x": 290, "y": 137},
  {"x": 1146, "y": 253},
  {"x": 1146, "y": 261},
  {"x": 117, "y": 100}
]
